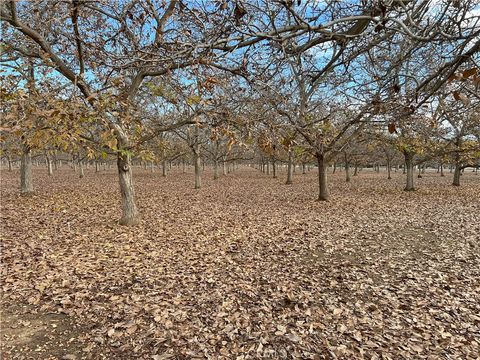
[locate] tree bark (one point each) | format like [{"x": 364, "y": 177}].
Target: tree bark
[
  {"x": 26, "y": 183},
  {"x": 410, "y": 170},
  {"x": 304, "y": 169},
  {"x": 198, "y": 165},
  {"x": 9, "y": 159},
  {"x": 215, "y": 169},
  {"x": 80, "y": 165},
  {"x": 49, "y": 165},
  {"x": 274, "y": 168},
  {"x": 130, "y": 214},
  {"x": 289, "y": 170},
  {"x": 323, "y": 194},
  {"x": 456, "y": 174},
  {"x": 347, "y": 168},
  {"x": 164, "y": 167}
]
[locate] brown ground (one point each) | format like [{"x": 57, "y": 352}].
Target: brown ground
[{"x": 244, "y": 268}]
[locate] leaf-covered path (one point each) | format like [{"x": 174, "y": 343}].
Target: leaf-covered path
[{"x": 244, "y": 268}]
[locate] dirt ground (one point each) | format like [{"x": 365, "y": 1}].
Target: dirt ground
[{"x": 244, "y": 268}]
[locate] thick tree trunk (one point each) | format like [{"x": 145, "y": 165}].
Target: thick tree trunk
[
  {"x": 26, "y": 182},
  {"x": 224, "y": 166},
  {"x": 130, "y": 214},
  {"x": 289, "y": 169},
  {"x": 274, "y": 168},
  {"x": 215, "y": 169},
  {"x": 441, "y": 170},
  {"x": 164, "y": 167},
  {"x": 80, "y": 165},
  {"x": 49, "y": 165},
  {"x": 198, "y": 166},
  {"x": 410, "y": 170},
  {"x": 456, "y": 174},
  {"x": 323, "y": 194},
  {"x": 268, "y": 167},
  {"x": 304, "y": 169},
  {"x": 347, "y": 172}
]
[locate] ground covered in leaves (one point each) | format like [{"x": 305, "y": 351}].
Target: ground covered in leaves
[{"x": 244, "y": 268}]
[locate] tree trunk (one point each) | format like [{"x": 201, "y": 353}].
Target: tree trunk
[
  {"x": 334, "y": 167},
  {"x": 97, "y": 166},
  {"x": 290, "y": 168},
  {"x": 274, "y": 168},
  {"x": 198, "y": 166},
  {"x": 323, "y": 194},
  {"x": 347, "y": 172},
  {"x": 26, "y": 183},
  {"x": 80, "y": 165},
  {"x": 164, "y": 167},
  {"x": 130, "y": 214},
  {"x": 456, "y": 173},
  {"x": 215, "y": 169},
  {"x": 49, "y": 165},
  {"x": 224, "y": 165},
  {"x": 419, "y": 171},
  {"x": 389, "y": 169},
  {"x": 268, "y": 167},
  {"x": 9, "y": 159},
  {"x": 355, "y": 171},
  {"x": 304, "y": 169},
  {"x": 441, "y": 170},
  {"x": 410, "y": 170}
]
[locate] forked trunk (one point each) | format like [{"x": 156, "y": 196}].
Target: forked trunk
[
  {"x": 323, "y": 194},
  {"x": 410, "y": 170},
  {"x": 26, "y": 183}
]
